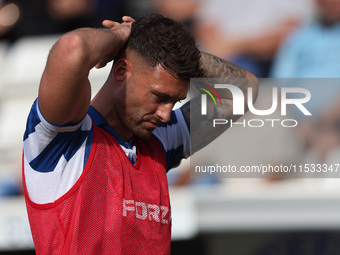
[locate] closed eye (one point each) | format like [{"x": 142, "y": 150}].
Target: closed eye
[
  {"x": 162, "y": 98},
  {"x": 165, "y": 98}
]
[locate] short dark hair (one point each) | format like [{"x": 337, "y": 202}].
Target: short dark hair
[{"x": 163, "y": 41}]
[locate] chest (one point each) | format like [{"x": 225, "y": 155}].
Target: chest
[{"x": 140, "y": 190}]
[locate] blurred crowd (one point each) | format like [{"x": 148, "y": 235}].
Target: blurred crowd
[
  {"x": 22, "y": 18},
  {"x": 272, "y": 39}
]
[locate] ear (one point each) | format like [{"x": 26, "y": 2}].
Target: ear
[{"x": 121, "y": 71}]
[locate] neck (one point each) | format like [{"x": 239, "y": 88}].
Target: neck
[{"x": 103, "y": 103}]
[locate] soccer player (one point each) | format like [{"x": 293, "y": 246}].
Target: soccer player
[{"x": 95, "y": 171}]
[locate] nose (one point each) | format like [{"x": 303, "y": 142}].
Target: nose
[{"x": 164, "y": 112}]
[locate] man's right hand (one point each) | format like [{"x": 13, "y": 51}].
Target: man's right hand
[{"x": 124, "y": 29}]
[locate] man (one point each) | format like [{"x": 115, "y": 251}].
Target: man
[{"x": 95, "y": 171}]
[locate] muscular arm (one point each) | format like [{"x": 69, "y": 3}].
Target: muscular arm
[
  {"x": 214, "y": 67},
  {"x": 65, "y": 92}
]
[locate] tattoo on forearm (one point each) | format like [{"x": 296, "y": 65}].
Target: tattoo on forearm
[
  {"x": 214, "y": 67},
  {"x": 200, "y": 126}
]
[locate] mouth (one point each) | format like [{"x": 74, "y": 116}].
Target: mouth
[
  {"x": 151, "y": 122},
  {"x": 151, "y": 125}
]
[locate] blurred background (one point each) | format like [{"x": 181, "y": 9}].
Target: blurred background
[{"x": 237, "y": 216}]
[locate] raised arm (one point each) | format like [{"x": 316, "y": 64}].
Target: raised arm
[
  {"x": 65, "y": 92},
  {"x": 214, "y": 67}
]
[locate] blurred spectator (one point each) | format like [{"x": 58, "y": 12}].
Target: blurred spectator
[
  {"x": 9, "y": 16},
  {"x": 140, "y": 8},
  {"x": 10, "y": 186},
  {"x": 313, "y": 52},
  {"x": 67, "y": 10},
  {"x": 248, "y": 32},
  {"x": 79, "y": 13},
  {"x": 41, "y": 17},
  {"x": 182, "y": 10}
]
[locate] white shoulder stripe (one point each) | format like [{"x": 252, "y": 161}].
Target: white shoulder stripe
[
  {"x": 37, "y": 141},
  {"x": 48, "y": 187},
  {"x": 53, "y": 128},
  {"x": 46, "y": 132}
]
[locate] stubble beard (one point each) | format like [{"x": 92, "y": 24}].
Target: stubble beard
[{"x": 134, "y": 123}]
